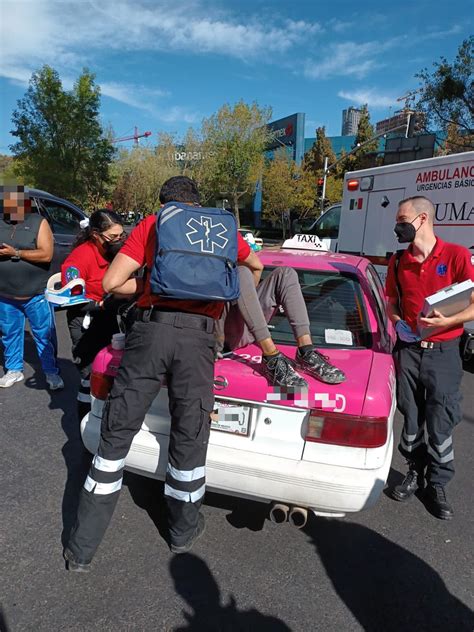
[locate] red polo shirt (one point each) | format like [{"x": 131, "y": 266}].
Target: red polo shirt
[
  {"x": 446, "y": 264},
  {"x": 140, "y": 246},
  {"x": 86, "y": 262}
]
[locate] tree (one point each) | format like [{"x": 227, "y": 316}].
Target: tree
[
  {"x": 61, "y": 146},
  {"x": 365, "y": 157},
  {"x": 446, "y": 96},
  {"x": 234, "y": 140},
  {"x": 139, "y": 174},
  {"x": 304, "y": 203},
  {"x": 322, "y": 148},
  {"x": 278, "y": 186}
]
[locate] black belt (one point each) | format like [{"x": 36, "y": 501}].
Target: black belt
[
  {"x": 444, "y": 344},
  {"x": 177, "y": 319}
]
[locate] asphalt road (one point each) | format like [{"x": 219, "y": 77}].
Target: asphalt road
[{"x": 394, "y": 567}]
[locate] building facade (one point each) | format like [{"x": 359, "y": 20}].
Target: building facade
[
  {"x": 350, "y": 121},
  {"x": 400, "y": 118}
]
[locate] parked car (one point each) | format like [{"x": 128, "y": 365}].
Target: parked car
[
  {"x": 328, "y": 451},
  {"x": 63, "y": 217}
]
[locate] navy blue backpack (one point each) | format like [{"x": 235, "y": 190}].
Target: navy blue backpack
[{"x": 196, "y": 254}]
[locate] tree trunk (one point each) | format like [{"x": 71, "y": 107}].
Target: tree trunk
[{"x": 235, "y": 200}]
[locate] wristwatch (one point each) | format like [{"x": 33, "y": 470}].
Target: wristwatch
[{"x": 16, "y": 256}]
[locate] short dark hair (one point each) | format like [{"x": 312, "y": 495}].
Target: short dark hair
[
  {"x": 421, "y": 204},
  {"x": 179, "y": 189}
]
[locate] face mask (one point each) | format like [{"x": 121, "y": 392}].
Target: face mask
[
  {"x": 405, "y": 231},
  {"x": 111, "y": 249}
]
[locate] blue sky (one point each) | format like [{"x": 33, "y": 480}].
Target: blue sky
[{"x": 164, "y": 65}]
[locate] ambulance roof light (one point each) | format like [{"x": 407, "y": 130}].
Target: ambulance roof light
[{"x": 352, "y": 185}]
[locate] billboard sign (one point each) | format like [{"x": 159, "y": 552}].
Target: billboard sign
[{"x": 288, "y": 132}]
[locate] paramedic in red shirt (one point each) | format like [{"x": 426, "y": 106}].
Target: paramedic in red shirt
[
  {"x": 429, "y": 371},
  {"x": 92, "y": 325},
  {"x": 172, "y": 338}
]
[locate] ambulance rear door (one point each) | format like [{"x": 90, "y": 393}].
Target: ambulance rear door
[{"x": 379, "y": 238}]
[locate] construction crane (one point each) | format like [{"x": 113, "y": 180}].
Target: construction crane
[
  {"x": 408, "y": 96},
  {"x": 135, "y": 136}
]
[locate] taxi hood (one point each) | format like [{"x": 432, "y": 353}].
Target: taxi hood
[{"x": 238, "y": 376}]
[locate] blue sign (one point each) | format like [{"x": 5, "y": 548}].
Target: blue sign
[{"x": 289, "y": 132}]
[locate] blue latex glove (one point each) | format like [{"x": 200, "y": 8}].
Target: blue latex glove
[{"x": 405, "y": 333}]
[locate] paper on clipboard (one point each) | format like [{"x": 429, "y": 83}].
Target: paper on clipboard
[{"x": 448, "y": 301}]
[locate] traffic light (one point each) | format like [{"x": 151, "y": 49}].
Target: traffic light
[{"x": 319, "y": 187}]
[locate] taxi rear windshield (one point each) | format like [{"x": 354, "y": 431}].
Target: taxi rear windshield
[{"x": 336, "y": 311}]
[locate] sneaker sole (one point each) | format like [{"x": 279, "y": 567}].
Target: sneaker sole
[{"x": 18, "y": 379}]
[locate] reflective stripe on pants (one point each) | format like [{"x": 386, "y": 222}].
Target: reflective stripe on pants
[
  {"x": 428, "y": 394},
  {"x": 152, "y": 351}
]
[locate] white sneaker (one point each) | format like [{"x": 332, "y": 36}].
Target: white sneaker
[
  {"x": 55, "y": 381},
  {"x": 10, "y": 378}
]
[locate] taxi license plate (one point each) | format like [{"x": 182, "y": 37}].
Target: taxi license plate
[{"x": 229, "y": 417}]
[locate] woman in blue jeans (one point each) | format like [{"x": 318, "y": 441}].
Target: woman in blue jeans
[{"x": 26, "y": 250}]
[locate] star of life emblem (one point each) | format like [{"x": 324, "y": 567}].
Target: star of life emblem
[{"x": 210, "y": 236}]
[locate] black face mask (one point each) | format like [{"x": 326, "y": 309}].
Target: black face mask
[
  {"x": 112, "y": 248},
  {"x": 405, "y": 232}
]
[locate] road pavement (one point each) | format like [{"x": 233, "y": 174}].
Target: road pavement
[{"x": 394, "y": 567}]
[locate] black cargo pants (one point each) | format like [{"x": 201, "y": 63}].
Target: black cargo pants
[
  {"x": 180, "y": 347},
  {"x": 86, "y": 344},
  {"x": 428, "y": 396}
]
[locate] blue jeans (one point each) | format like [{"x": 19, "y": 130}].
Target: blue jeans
[{"x": 40, "y": 314}]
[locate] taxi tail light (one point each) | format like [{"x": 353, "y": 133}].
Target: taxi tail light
[
  {"x": 347, "y": 430},
  {"x": 101, "y": 385},
  {"x": 352, "y": 185}
]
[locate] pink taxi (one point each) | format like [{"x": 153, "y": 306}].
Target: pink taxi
[{"x": 327, "y": 451}]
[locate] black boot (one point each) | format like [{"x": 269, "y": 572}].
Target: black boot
[
  {"x": 73, "y": 565},
  {"x": 435, "y": 497},
  {"x": 410, "y": 484}
]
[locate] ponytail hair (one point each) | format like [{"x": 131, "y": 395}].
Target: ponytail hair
[{"x": 97, "y": 223}]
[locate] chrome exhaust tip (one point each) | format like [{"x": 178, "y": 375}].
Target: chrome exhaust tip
[
  {"x": 279, "y": 513},
  {"x": 298, "y": 517}
]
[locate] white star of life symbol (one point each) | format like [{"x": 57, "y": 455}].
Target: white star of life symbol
[{"x": 206, "y": 233}]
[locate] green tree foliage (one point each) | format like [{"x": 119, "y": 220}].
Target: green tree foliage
[
  {"x": 139, "y": 174},
  {"x": 61, "y": 146},
  {"x": 287, "y": 187},
  {"x": 278, "y": 186},
  {"x": 322, "y": 148},
  {"x": 366, "y": 156},
  {"x": 305, "y": 192},
  {"x": 446, "y": 97},
  {"x": 234, "y": 140}
]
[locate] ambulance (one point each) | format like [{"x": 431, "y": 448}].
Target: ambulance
[
  {"x": 370, "y": 203},
  {"x": 371, "y": 197}
]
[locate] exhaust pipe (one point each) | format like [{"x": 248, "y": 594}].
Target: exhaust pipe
[
  {"x": 298, "y": 517},
  {"x": 279, "y": 513}
]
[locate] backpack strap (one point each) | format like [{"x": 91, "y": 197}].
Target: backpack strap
[{"x": 398, "y": 256}]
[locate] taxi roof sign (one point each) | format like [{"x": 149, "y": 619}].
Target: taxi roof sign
[{"x": 306, "y": 242}]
